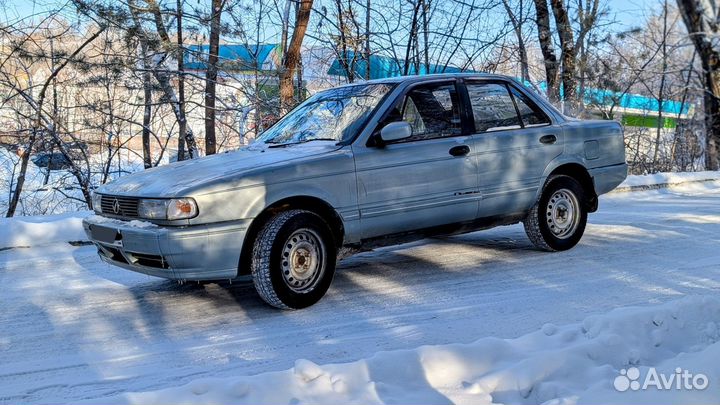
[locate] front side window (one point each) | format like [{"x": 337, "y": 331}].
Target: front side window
[
  {"x": 335, "y": 114},
  {"x": 432, "y": 110}
]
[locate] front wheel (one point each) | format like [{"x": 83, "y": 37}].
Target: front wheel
[
  {"x": 557, "y": 220},
  {"x": 293, "y": 259}
]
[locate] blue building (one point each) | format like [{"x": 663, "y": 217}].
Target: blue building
[{"x": 235, "y": 58}]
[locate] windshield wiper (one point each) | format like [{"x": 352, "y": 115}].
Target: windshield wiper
[{"x": 280, "y": 145}]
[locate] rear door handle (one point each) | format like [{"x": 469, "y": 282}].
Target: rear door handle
[
  {"x": 460, "y": 150},
  {"x": 548, "y": 139}
]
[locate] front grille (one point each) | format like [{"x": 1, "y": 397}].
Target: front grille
[{"x": 126, "y": 207}]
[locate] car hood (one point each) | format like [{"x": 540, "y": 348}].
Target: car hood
[{"x": 173, "y": 179}]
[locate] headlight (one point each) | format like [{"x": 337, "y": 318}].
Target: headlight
[
  {"x": 153, "y": 209},
  {"x": 97, "y": 203},
  {"x": 176, "y": 208}
]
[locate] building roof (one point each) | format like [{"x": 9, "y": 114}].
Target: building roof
[
  {"x": 383, "y": 67},
  {"x": 234, "y": 57}
]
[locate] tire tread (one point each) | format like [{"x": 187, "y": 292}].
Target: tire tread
[
  {"x": 532, "y": 228},
  {"x": 261, "y": 252},
  {"x": 532, "y": 225}
]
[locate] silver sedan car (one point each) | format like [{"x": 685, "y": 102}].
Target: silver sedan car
[{"x": 359, "y": 166}]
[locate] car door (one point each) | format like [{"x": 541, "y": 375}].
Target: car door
[
  {"x": 427, "y": 180},
  {"x": 514, "y": 140}
]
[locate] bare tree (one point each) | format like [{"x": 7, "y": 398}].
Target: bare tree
[
  {"x": 44, "y": 124},
  {"x": 567, "y": 54},
  {"x": 211, "y": 75},
  {"x": 147, "y": 102},
  {"x": 346, "y": 57},
  {"x": 367, "y": 40},
  {"x": 158, "y": 71},
  {"x": 517, "y": 19},
  {"x": 291, "y": 59},
  {"x": 182, "y": 126},
  {"x": 552, "y": 66},
  {"x": 700, "y": 17},
  {"x": 661, "y": 91},
  {"x": 588, "y": 13}
]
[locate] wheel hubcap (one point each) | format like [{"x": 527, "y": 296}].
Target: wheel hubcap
[
  {"x": 563, "y": 213},
  {"x": 302, "y": 260}
]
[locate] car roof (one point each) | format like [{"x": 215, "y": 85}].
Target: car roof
[{"x": 435, "y": 76}]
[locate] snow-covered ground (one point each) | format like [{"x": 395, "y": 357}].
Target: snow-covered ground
[
  {"x": 464, "y": 319},
  {"x": 578, "y": 363},
  {"x": 666, "y": 179}
]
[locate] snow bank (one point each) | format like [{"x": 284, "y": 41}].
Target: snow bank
[
  {"x": 575, "y": 364},
  {"x": 41, "y": 230},
  {"x": 650, "y": 180}
]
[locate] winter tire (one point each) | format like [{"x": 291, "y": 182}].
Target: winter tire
[
  {"x": 293, "y": 259},
  {"x": 557, "y": 220}
]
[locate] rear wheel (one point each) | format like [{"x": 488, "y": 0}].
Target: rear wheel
[
  {"x": 293, "y": 259},
  {"x": 557, "y": 221}
]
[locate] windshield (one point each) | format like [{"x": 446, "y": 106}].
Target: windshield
[{"x": 335, "y": 114}]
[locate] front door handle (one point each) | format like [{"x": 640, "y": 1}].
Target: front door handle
[
  {"x": 548, "y": 139},
  {"x": 460, "y": 150}
]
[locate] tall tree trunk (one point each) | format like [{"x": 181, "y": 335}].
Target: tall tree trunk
[
  {"x": 161, "y": 74},
  {"x": 292, "y": 56},
  {"x": 163, "y": 79},
  {"x": 426, "y": 36},
  {"x": 182, "y": 127},
  {"x": 20, "y": 183},
  {"x": 587, "y": 16},
  {"x": 211, "y": 77},
  {"x": 54, "y": 110},
  {"x": 411, "y": 37},
  {"x": 111, "y": 121},
  {"x": 343, "y": 58},
  {"x": 147, "y": 107},
  {"x": 367, "y": 40},
  {"x": 700, "y": 17},
  {"x": 257, "y": 116},
  {"x": 517, "y": 28},
  {"x": 542, "y": 19},
  {"x": 661, "y": 95},
  {"x": 285, "y": 26},
  {"x": 567, "y": 46}
]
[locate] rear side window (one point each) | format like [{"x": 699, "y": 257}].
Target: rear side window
[
  {"x": 492, "y": 107},
  {"x": 432, "y": 110},
  {"x": 531, "y": 114}
]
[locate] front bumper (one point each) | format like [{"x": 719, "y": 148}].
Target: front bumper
[{"x": 197, "y": 252}]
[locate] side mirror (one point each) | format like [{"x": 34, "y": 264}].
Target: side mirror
[{"x": 395, "y": 131}]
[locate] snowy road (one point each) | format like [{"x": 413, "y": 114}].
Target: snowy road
[{"x": 72, "y": 328}]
